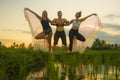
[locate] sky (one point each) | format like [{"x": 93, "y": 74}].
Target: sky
[{"x": 14, "y": 27}]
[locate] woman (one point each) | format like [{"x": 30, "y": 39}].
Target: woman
[
  {"x": 60, "y": 33},
  {"x": 47, "y": 31},
  {"x": 74, "y": 30}
]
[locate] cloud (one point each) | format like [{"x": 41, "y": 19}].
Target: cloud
[
  {"x": 110, "y": 33},
  {"x": 112, "y": 16},
  {"x": 108, "y": 25},
  {"x": 111, "y": 29},
  {"x": 108, "y": 38},
  {"x": 12, "y": 30}
]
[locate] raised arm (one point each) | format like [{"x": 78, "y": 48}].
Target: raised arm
[
  {"x": 68, "y": 22},
  {"x": 49, "y": 20},
  {"x": 82, "y": 19},
  {"x": 33, "y": 13}
]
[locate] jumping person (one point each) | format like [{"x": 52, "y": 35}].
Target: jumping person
[
  {"x": 73, "y": 33},
  {"x": 47, "y": 31},
  {"x": 60, "y": 33}
]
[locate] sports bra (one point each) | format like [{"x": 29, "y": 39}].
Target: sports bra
[{"x": 76, "y": 24}]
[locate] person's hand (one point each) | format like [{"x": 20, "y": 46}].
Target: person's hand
[
  {"x": 26, "y": 9},
  {"x": 94, "y": 14}
]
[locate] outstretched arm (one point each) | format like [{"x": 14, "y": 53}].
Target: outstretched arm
[
  {"x": 33, "y": 13},
  {"x": 53, "y": 22},
  {"x": 67, "y": 23},
  {"x": 82, "y": 19},
  {"x": 49, "y": 21}
]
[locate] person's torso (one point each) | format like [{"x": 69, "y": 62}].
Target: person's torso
[
  {"x": 60, "y": 24},
  {"x": 76, "y": 24},
  {"x": 45, "y": 24}
]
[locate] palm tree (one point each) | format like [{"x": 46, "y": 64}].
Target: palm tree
[
  {"x": 0, "y": 44},
  {"x": 96, "y": 44},
  {"x": 14, "y": 44},
  {"x": 116, "y": 46},
  {"x": 30, "y": 46},
  {"x": 103, "y": 44},
  {"x": 22, "y": 45}
]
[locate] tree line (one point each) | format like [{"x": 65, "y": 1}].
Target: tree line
[
  {"x": 97, "y": 45},
  {"x": 15, "y": 45},
  {"x": 101, "y": 44}
]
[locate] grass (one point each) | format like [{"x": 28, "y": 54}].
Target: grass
[{"x": 16, "y": 64}]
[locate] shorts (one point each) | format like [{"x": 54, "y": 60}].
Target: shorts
[
  {"x": 48, "y": 31},
  {"x": 59, "y": 34}
]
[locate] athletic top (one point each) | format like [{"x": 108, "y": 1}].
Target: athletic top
[
  {"x": 76, "y": 24},
  {"x": 45, "y": 24}
]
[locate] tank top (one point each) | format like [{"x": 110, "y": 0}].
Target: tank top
[{"x": 45, "y": 24}]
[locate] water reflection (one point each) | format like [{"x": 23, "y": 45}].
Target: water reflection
[
  {"x": 59, "y": 71},
  {"x": 79, "y": 67}
]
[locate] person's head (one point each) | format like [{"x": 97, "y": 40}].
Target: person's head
[
  {"x": 44, "y": 13},
  {"x": 59, "y": 14},
  {"x": 78, "y": 14}
]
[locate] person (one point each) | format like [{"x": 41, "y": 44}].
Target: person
[
  {"x": 73, "y": 33},
  {"x": 47, "y": 31},
  {"x": 60, "y": 33}
]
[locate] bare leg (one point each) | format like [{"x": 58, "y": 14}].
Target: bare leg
[
  {"x": 41, "y": 36},
  {"x": 66, "y": 48},
  {"x": 53, "y": 48},
  {"x": 49, "y": 41}
]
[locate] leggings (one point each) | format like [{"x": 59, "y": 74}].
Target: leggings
[{"x": 73, "y": 33}]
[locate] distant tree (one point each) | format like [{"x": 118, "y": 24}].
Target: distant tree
[
  {"x": 96, "y": 44},
  {"x": 112, "y": 46},
  {"x": 116, "y": 46},
  {"x": 22, "y": 45},
  {"x": 3, "y": 46},
  {"x": 13, "y": 45},
  {"x": 17, "y": 46},
  {"x": 0, "y": 44},
  {"x": 103, "y": 44},
  {"x": 30, "y": 46}
]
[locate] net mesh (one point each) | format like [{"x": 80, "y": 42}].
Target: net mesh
[
  {"x": 88, "y": 29},
  {"x": 36, "y": 28}
]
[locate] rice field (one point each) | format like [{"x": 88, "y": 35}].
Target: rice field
[{"x": 26, "y": 64}]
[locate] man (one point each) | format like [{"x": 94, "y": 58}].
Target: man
[{"x": 60, "y": 33}]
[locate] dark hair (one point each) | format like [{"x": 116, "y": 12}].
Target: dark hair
[
  {"x": 44, "y": 12},
  {"x": 59, "y": 11},
  {"x": 79, "y": 13}
]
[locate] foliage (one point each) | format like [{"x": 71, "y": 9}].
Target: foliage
[
  {"x": 101, "y": 44},
  {"x": 17, "y": 62}
]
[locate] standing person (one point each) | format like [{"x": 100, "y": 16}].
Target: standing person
[
  {"x": 73, "y": 33},
  {"x": 60, "y": 33},
  {"x": 47, "y": 31}
]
